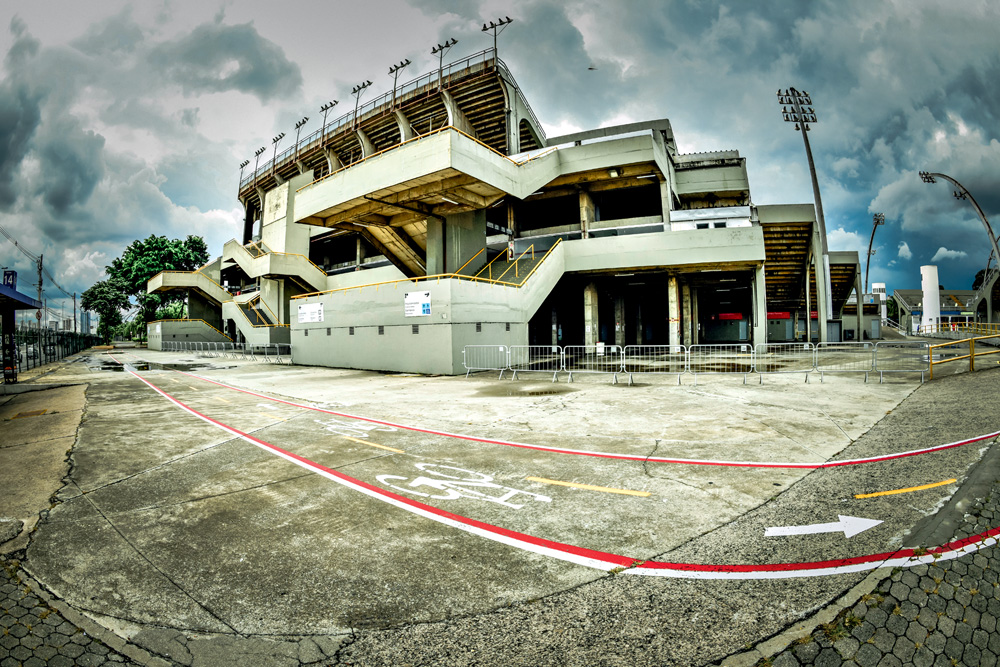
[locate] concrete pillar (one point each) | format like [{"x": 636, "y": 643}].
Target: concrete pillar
[
  {"x": 332, "y": 160},
  {"x": 932, "y": 296},
  {"x": 555, "y": 328},
  {"x": 359, "y": 255},
  {"x": 860, "y": 336},
  {"x": 824, "y": 306},
  {"x": 695, "y": 322},
  {"x": 808, "y": 306},
  {"x": 588, "y": 212},
  {"x": 619, "y": 320},
  {"x": 367, "y": 148},
  {"x": 674, "y": 311},
  {"x": 405, "y": 129},
  {"x": 591, "y": 326},
  {"x": 686, "y": 313},
  {"x": 456, "y": 118},
  {"x": 640, "y": 338},
  {"x": 759, "y": 307},
  {"x": 452, "y": 242},
  {"x": 665, "y": 204}
]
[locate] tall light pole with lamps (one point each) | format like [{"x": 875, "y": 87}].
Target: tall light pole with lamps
[
  {"x": 797, "y": 108},
  {"x": 877, "y": 220},
  {"x": 439, "y": 51},
  {"x": 496, "y": 29}
]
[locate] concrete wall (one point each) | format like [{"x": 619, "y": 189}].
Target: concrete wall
[
  {"x": 191, "y": 331},
  {"x": 452, "y": 242},
  {"x": 200, "y": 308}
]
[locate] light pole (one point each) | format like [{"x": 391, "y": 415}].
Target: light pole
[
  {"x": 243, "y": 165},
  {"x": 358, "y": 91},
  {"x": 877, "y": 220},
  {"x": 797, "y": 108},
  {"x": 257, "y": 153},
  {"x": 394, "y": 71},
  {"x": 274, "y": 157},
  {"x": 496, "y": 29},
  {"x": 325, "y": 109},
  {"x": 962, "y": 193},
  {"x": 439, "y": 51},
  {"x": 298, "y": 129}
]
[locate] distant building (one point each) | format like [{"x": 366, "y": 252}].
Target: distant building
[
  {"x": 956, "y": 307},
  {"x": 443, "y": 217}
]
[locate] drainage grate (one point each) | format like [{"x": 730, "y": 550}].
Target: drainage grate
[
  {"x": 415, "y": 328},
  {"x": 381, "y": 330}
]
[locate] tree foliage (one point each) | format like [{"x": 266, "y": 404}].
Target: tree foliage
[{"x": 108, "y": 299}]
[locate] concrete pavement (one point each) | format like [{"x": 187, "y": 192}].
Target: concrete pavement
[{"x": 199, "y": 547}]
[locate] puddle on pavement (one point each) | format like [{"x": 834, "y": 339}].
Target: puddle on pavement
[
  {"x": 510, "y": 389},
  {"x": 153, "y": 366}
]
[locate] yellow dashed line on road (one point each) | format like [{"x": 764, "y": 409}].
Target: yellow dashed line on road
[
  {"x": 372, "y": 444},
  {"x": 264, "y": 414},
  {"x": 219, "y": 398},
  {"x": 192, "y": 388},
  {"x": 906, "y": 490},
  {"x": 590, "y": 487}
]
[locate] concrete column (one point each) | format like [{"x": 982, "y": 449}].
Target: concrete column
[
  {"x": 665, "y": 204},
  {"x": 686, "y": 313},
  {"x": 823, "y": 298},
  {"x": 332, "y": 160},
  {"x": 359, "y": 255},
  {"x": 808, "y": 307},
  {"x": 695, "y": 331},
  {"x": 620, "y": 320},
  {"x": 555, "y": 328},
  {"x": 511, "y": 219},
  {"x": 931, "y": 295},
  {"x": 674, "y": 311},
  {"x": 591, "y": 327},
  {"x": 759, "y": 307},
  {"x": 367, "y": 148},
  {"x": 588, "y": 212},
  {"x": 639, "y": 333},
  {"x": 861, "y": 307},
  {"x": 405, "y": 129},
  {"x": 456, "y": 118}
]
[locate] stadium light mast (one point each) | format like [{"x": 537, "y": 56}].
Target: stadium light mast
[
  {"x": 797, "y": 108},
  {"x": 877, "y": 220},
  {"x": 325, "y": 110},
  {"x": 274, "y": 158},
  {"x": 439, "y": 51},
  {"x": 496, "y": 29},
  {"x": 257, "y": 154},
  {"x": 962, "y": 193},
  {"x": 394, "y": 71},
  {"x": 358, "y": 91},
  {"x": 298, "y": 129},
  {"x": 243, "y": 165}
]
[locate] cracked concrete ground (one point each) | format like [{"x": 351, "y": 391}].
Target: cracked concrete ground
[{"x": 200, "y": 548}]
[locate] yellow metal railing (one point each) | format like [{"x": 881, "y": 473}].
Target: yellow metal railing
[
  {"x": 192, "y": 273},
  {"x": 971, "y": 356},
  {"x": 284, "y": 254},
  {"x": 257, "y": 326},
  {"x": 439, "y": 277},
  {"x": 470, "y": 260},
  {"x": 190, "y": 320}
]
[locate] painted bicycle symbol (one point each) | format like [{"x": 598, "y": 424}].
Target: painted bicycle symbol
[{"x": 467, "y": 484}]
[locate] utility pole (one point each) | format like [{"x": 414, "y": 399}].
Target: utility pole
[{"x": 74, "y": 312}]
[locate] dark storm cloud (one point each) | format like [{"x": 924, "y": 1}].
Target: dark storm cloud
[
  {"x": 118, "y": 34},
  {"x": 217, "y": 58},
  {"x": 20, "y": 114},
  {"x": 72, "y": 163}
]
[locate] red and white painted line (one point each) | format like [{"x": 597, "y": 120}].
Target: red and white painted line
[{"x": 602, "y": 560}]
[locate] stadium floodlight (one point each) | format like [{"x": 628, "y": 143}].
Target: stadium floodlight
[
  {"x": 358, "y": 91},
  {"x": 797, "y": 108},
  {"x": 298, "y": 129},
  {"x": 439, "y": 51},
  {"x": 243, "y": 165},
  {"x": 963, "y": 193},
  {"x": 496, "y": 29},
  {"x": 274, "y": 157},
  {"x": 394, "y": 71},
  {"x": 325, "y": 109},
  {"x": 877, "y": 220},
  {"x": 257, "y": 154}
]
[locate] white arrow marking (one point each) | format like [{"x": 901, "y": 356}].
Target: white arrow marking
[{"x": 850, "y": 525}]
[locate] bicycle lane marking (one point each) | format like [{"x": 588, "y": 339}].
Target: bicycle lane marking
[
  {"x": 611, "y": 455},
  {"x": 603, "y": 560}
]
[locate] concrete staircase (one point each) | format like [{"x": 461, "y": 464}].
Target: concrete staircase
[{"x": 257, "y": 261}]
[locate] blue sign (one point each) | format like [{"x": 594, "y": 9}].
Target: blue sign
[{"x": 10, "y": 279}]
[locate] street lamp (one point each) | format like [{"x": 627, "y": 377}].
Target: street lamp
[
  {"x": 962, "y": 193},
  {"x": 797, "y": 108},
  {"x": 298, "y": 128},
  {"x": 439, "y": 51},
  {"x": 325, "y": 109},
  {"x": 877, "y": 220},
  {"x": 394, "y": 71},
  {"x": 274, "y": 158},
  {"x": 496, "y": 29},
  {"x": 358, "y": 91}
]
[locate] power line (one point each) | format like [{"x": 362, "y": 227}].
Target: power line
[{"x": 36, "y": 259}]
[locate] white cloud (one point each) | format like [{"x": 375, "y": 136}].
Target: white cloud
[
  {"x": 944, "y": 253},
  {"x": 904, "y": 251},
  {"x": 841, "y": 239}
]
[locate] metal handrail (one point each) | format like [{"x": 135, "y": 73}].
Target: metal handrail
[
  {"x": 971, "y": 356},
  {"x": 517, "y": 259},
  {"x": 459, "y": 270}
]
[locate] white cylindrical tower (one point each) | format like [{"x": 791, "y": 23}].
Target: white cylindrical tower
[{"x": 932, "y": 297}]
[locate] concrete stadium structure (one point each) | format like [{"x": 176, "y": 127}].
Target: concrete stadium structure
[{"x": 442, "y": 216}]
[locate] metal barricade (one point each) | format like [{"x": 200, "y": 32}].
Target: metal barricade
[
  {"x": 654, "y": 360},
  {"x": 593, "y": 359},
  {"x": 845, "y": 358},
  {"x": 784, "y": 358},
  {"x": 535, "y": 358},
  {"x": 714, "y": 359},
  {"x": 485, "y": 358},
  {"x": 902, "y": 357},
  {"x": 283, "y": 348}
]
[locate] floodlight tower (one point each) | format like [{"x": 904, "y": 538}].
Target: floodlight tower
[
  {"x": 257, "y": 153},
  {"x": 797, "y": 108},
  {"x": 243, "y": 165},
  {"x": 325, "y": 110},
  {"x": 274, "y": 158},
  {"x": 962, "y": 193},
  {"x": 358, "y": 91},
  {"x": 877, "y": 220},
  {"x": 496, "y": 29},
  {"x": 439, "y": 51},
  {"x": 394, "y": 71},
  {"x": 298, "y": 129}
]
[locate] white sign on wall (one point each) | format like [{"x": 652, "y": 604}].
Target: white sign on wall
[
  {"x": 310, "y": 312},
  {"x": 416, "y": 304}
]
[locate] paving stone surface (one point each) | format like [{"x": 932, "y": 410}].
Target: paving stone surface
[{"x": 943, "y": 614}]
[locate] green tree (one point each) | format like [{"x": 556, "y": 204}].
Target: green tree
[
  {"x": 108, "y": 299},
  {"x": 143, "y": 259}
]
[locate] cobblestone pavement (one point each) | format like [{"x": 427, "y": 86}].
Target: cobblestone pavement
[
  {"x": 34, "y": 634},
  {"x": 939, "y": 615}
]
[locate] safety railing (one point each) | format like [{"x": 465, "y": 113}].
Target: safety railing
[
  {"x": 654, "y": 360},
  {"x": 732, "y": 359},
  {"x": 784, "y": 358},
  {"x": 901, "y": 357},
  {"x": 971, "y": 355},
  {"x": 845, "y": 358},
  {"x": 277, "y": 353},
  {"x": 598, "y": 358}
]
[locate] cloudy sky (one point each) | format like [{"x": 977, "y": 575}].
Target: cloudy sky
[{"x": 121, "y": 119}]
